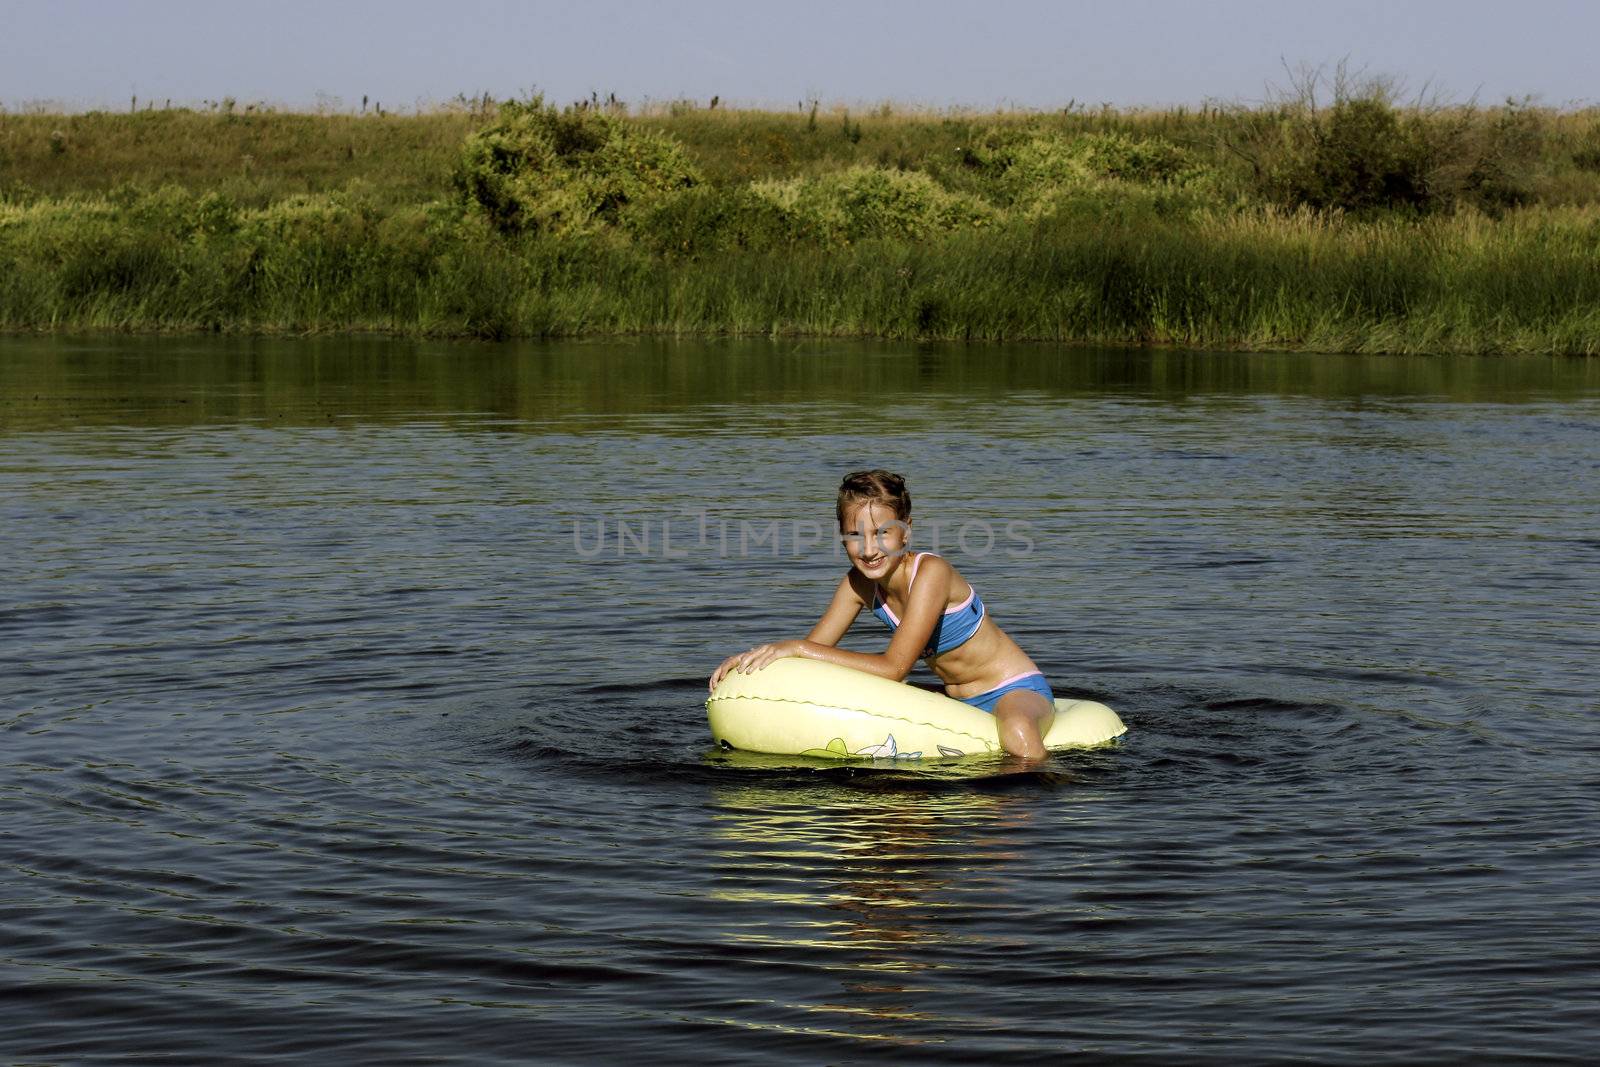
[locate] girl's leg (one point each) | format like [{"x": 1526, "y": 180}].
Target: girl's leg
[{"x": 1023, "y": 716}]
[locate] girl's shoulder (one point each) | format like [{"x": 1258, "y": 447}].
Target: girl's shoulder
[
  {"x": 942, "y": 570},
  {"x": 932, "y": 563}
]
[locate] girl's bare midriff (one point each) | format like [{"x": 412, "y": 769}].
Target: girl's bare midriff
[{"x": 984, "y": 660}]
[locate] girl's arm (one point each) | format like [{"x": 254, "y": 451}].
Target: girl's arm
[
  {"x": 836, "y": 619},
  {"x": 928, "y": 598},
  {"x": 842, "y": 611}
]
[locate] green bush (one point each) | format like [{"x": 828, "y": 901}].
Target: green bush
[
  {"x": 705, "y": 219},
  {"x": 1356, "y": 156},
  {"x": 1587, "y": 158},
  {"x": 1362, "y": 154},
  {"x": 866, "y": 202},
  {"x": 1584, "y": 149},
  {"x": 1030, "y": 170},
  {"x": 543, "y": 169},
  {"x": 1498, "y": 157},
  {"x": 855, "y": 204}
]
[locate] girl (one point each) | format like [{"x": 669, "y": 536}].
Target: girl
[{"x": 932, "y": 614}]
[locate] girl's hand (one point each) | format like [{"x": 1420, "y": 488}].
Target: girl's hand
[
  {"x": 757, "y": 658},
  {"x": 723, "y": 668}
]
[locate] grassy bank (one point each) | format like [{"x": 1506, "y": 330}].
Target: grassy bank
[{"x": 1357, "y": 225}]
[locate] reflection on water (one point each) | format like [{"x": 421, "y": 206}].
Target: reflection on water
[
  {"x": 316, "y": 731},
  {"x": 882, "y": 879},
  {"x": 587, "y": 386}
]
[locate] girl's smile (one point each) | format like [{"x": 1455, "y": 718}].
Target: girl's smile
[{"x": 874, "y": 539}]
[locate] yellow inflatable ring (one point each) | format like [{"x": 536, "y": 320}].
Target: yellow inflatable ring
[{"x": 805, "y": 707}]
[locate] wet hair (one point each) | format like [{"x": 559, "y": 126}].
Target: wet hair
[{"x": 878, "y": 486}]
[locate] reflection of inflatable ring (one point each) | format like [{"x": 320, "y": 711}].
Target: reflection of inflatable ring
[{"x": 804, "y": 707}]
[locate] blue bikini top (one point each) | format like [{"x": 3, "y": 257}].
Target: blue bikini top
[{"x": 954, "y": 628}]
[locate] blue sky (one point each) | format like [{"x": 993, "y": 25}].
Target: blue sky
[{"x": 1024, "y": 53}]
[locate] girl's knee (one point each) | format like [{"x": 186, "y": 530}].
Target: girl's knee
[{"x": 1021, "y": 723}]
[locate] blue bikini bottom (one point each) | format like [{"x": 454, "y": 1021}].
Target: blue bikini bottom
[{"x": 1031, "y": 680}]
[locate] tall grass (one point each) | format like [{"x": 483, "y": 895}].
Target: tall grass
[{"x": 1104, "y": 226}]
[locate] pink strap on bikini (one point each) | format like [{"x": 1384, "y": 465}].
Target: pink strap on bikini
[{"x": 916, "y": 561}]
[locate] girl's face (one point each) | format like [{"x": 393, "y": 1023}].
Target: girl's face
[{"x": 874, "y": 539}]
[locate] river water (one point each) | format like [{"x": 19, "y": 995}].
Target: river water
[{"x": 351, "y": 706}]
